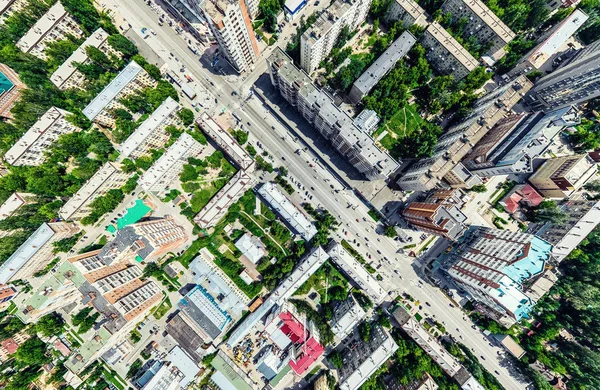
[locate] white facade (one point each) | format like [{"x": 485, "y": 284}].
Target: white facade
[
  {"x": 130, "y": 80},
  {"x": 217, "y": 207},
  {"x": 108, "y": 177},
  {"x": 30, "y": 148},
  {"x": 13, "y": 203},
  {"x": 54, "y": 26},
  {"x": 67, "y": 76},
  {"x": 152, "y": 134},
  {"x": 168, "y": 167},
  {"x": 9, "y": 7}
]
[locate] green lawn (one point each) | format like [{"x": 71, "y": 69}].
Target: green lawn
[
  {"x": 163, "y": 309},
  {"x": 400, "y": 126}
]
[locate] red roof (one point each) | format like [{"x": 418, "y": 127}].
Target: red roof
[
  {"x": 311, "y": 350},
  {"x": 10, "y": 345},
  {"x": 62, "y": 348},
  {"x": 532, "y": 196},
  {"x": 511, "y": 203}
]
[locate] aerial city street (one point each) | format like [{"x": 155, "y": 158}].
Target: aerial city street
[{"x": 299, "y": 194}]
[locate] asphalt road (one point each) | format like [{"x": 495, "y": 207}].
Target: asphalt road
[{"x": 354, "y": 220}]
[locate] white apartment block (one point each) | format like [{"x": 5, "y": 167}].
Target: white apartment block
[
  {"x": 445, "y": 54},
  {"x": 230, "y": 23},
  {"x": 30, "y": 148},
  {"x": 482, "y": 23},
  {"x": 36, "y": 251},
  {"x": 67, "y": 76},
  {"x": 14, "y": 203},
  {"x": 152, "y": 134},
  {"x": 130, "y": 80},
  {"x": 408, "y": 11},
  {"x": 220, "y": 203},
  {"x": 54, "y": 26},
  {"x": 319, "y": 39},
  {"x": 168, "y": 167},
  {"x": 226, "y": 142},
  {"x": 109, "y": 177},
  {"x": 9, "y": 7}
]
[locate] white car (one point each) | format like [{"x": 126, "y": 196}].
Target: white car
[{"x": 152, "y": 32}]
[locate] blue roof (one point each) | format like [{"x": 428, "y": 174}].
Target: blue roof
[
  {"x": 533, "y": 264},
  {"x": 5, "y": 83}
]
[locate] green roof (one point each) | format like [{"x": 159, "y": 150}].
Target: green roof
[
  {"x": 5, "y": 83},
  {"x": 229, "y": 374}
]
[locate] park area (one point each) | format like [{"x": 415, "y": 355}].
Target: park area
[{"x": 402, "y": 125}]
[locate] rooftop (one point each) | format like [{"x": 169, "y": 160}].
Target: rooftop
[
  {"x": 182, "y": 361},
  {"x": 251, "y": 247},
  {"x": 199, "y": 305},
  {"x": 490, "y": 19},
  {"x": 287, "y": 210},
  {"x": 165, "y": 110},
  {"x": 228, "y": 375},
  {"x": 112, "y": 90},
  {"x": 444, "y": 38},
  {"x": 5, "y": 83},
  {"x": 66, "y": 70},
  {"x": 13, "y": 203},
  {"x": 42, "y": 27}
]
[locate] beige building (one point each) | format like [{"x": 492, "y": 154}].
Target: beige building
[
  {"x": 445, "y": 54},
  {"x": 54, "y": 26},
  {"x": 230, "y": 23},
  {"x": 408, "y": 11},
  {"x": 108, "y": 177},
  {"x": 9, "y": 7},
  {"x": 10, "y": 90},
  {"x": 152, "y": 133},
  {"x": 458, "y": 140},
  {"x": 560, "y": 177},
  {"x": 316, "y": 42},
  {"x": 130, "y": 80},
  {"x": 481, "y": 23},
  {"x": 30, "y": 148},
  {"x": 14, "y": 203},
  {"x": 67, "y": 76},
  {"x": 49, "y": 297},
  {"x": 36, "y": 252},
  {"x": 168, "y": 167}
]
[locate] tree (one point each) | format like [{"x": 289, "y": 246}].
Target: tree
[
  {"x": 122, "y": 44},
  {"x": 365, "y": 331},
  {"x": 50, "y": 325},
  {"x": 186, "y": 115},
  {"x": 593, "y": 186},
  {"x": 336, "y": 360},
  {"x": 548, "y": 211},
  {"x": 480, "y": 188},
  {"x": 32, "y": 352},
  {"x": 240, "y": 136},
  {"x": 390, "y": 231}
]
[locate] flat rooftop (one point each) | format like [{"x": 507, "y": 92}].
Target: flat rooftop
[
  {"x": 490, "y": 19},
  {"x": 112, "y": 90},
  {"x": 446, "y": 40},
  {"x": 68, "y": 68},
  {"x": 25, "y": 252},
  {"x": 385, "y": 62},
  {"x": 42, "y": 27},
  {"x": 147, "y": 128}
]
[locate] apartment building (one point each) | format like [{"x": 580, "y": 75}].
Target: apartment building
[
  {"x": 382, "y": 66},
  {"x": 491, "y": 265},
  {"x": 10, "y": 90},
  {"x": 551, "y": 44},
  {"x": 55, "y": 25},
  {"x": 129, "y": 81},
  {"x": 346, "y": 315},
  {"x": 36, "y": 251},
  {"x": 357, "y": 273},
  {"x": 31, "y": 147},
  {"x": 576, "y": 82},
  {"x": 408, "y": 11},
  {"x": 560, "y": 177},
  {"x": 481, "y": 23},
  {"x": 319, "y": 39},
  {"x": 14, "y": 203},
  {"x": 10, "y": 7},
  {"x": 230, "y": 23},
  {"x": 226, "y": 142},
  {"x": 168, "y": 167},
  {"x": 56, "y": 292},
  {"x": 440, "y": 214},
  {"x": 283, "y": 207},
  {"x": 458, "y": 140},
  {"x": 145, "y": 241},
  {"x": 218, "y": 205},
  {"x": 152, "y": 133},
  {"x": 445, "y": 54},
  {"x": 334, "y": 124},
  {"x": 201, "y": 307},
  {"x": 367, "y": 121},
  {"x": 583, "y": 217},
  {"x": 108, "y": 177},
  {"x": 361, "y": 359},
  {"x": 512, "y": 144},
  {"x": 116, "y": 291},
  {"x": 67, "y": 76}
]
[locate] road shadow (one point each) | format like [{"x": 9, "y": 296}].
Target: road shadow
[
  {"x": 298, "y": 123},
  {"x": 214, "y": 62}
]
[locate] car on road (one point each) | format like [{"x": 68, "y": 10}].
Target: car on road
[
  {"x": 428, "y": 304},
  {"x": 496, "y": 372},
  {"x": 152, "y": 32},
  {"x": 482, "y": 358}
]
